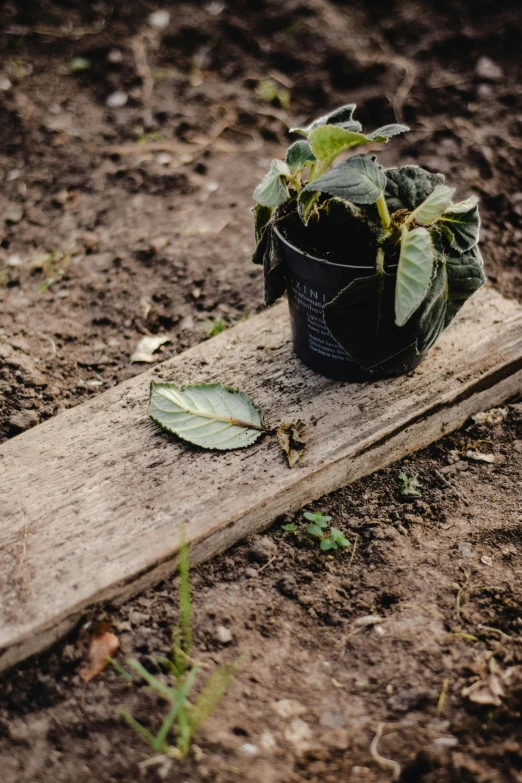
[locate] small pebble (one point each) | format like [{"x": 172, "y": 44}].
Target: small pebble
[
  {"x": 117, "y": 99},
  {"x": 223, "y": 635},
  {"x": 489, "y": 70}
]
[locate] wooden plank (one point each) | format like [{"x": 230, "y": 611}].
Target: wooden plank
[{"x": 92, "y": 500}]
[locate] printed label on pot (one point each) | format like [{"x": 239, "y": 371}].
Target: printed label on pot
[{"x": 309, "y": 302}]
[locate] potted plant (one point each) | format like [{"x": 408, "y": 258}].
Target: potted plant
[{"x": 376, "y": 262}]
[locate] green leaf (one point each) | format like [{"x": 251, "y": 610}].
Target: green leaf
[
  {"x": 306, "y": 203},
  {"x": 339, "y": 537},
  {"x": 317, "y": 518},
  {"x": 361, "y": 319},
  {"x": 79, "y": 64},
  {"x": 208, "y": 414},
  {"x": 328, "y": 141},
  {"x": 272, "y": 189},
  {"x": 299, "y": 155},
  {"x": 359, "y": 179},
  {"x": 463, "y": 221},
  {"x": 410, "y": 485},
  {"x": 408, "y": 186},
  {"x": 434, "y": 206},
  {"x": 413, "y": 273},
  {"x": 454, "y": 281},
  {"x": 290, "y": 528},
  {"x": 262, "y": 217},
  {"x": 341, "y": 116},
  {"x": 274, "y": 278},
  {"x": 326, "y": 544},
  {"x": 387, "y": 131},
  {"x": 268, "y": 253},
  {"x": 315, "y": 530}
]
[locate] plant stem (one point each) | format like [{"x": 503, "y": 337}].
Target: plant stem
[
  {"x": 379, "y": 260},
  {"x": 383, "y": 212},
  {"x": 295, "y": 182},
  {"x": 324, "y": 166}
]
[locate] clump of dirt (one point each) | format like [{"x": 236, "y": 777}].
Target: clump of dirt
[{"x": 125, "y": 211}]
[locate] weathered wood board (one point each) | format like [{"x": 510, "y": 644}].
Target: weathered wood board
[{"x": 92, "y": 500}]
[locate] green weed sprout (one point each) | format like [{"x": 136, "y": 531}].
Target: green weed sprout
[
  {"x": 184, "y": 717},
  {"x": 410, "y": 486},
  {"x": 331, "y": 541}
]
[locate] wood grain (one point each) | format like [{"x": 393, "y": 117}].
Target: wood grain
[{"x": 92, "y": 500}]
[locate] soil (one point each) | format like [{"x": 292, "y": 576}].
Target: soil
[{"x": 124, "y": 215}]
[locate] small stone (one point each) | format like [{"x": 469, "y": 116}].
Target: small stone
[
  {"x": 262, "y": 549},
  {"x": 159, "y": 243},
  {"x": 23, "y": 420},
  {"x": 13, "y": 213},
  {"x": 338, "y": 738},
  {"x": 408, "y": 700},
  {"x": 298, "y": 733},
  {"x": 446, "y": 742},
  {"x": 289, "y": 708},
  {"x": 249, "y": 750},
  {"x": 489, "y": 70},
  {"x": 250, "y": 573},
  {"x": 159, "y": 19},
  {"x": 115, "y": 56},
  {"x": 223, "y": 635},
  {"x": 466, "y": 549},
  {"x": 267, "y": 741},
  {"x": 287, "y": 586},
  {"x": 117, "y": 99}
]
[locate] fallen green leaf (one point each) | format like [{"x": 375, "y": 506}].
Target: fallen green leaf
[{"x": 207, "y": 414}]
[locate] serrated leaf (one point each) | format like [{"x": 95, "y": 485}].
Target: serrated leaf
[
  {"x": 317, "y": 517},
  {"x": 434, "y": 206},
  {"x": 413, "y": 273},
  {"x": 359, "y": 179},
  {"x": 274, "y": 270},
  {"x": 208, "y": 414},
  {"x": 326, "y": 544},
  {"x": 341, "y": 116},
  {"x": 268, "y": 253},
  {"x": 299, "y": 155},
  {"x": 291, "y": 440},
  {"x": 338, "y": 537},
  {"x": 306, "y": 203},
  {"x": 315, "y": 530},
  {"x": 361, "y": 319},
  {"x": 463, "y": 221},
  {"x": 387, "y": 131},
  {"x": 454, "y": 281},
  {"x": 328, "y": 141},
  {"x": 262, "y": 217},
  {"x": 409, "y": 186},
  {"x": 272, "y": 190}
]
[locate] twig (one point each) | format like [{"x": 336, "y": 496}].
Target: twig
[
  {"x": 442, "y": 698},
  {"x": 267, "y": 564},
  {"x": 353, "y": 550},
  {"x": 383, "y": 762},
  {"x": 49, "y": 339}
]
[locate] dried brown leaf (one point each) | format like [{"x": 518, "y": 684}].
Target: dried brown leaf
[
  {"x": 101, "y": 648},
  {"x": 291, "y": 440}
]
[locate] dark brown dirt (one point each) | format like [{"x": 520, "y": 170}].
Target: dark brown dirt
[{"x": 106, "y": 238}]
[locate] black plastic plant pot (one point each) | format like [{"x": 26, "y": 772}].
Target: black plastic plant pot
[{"x": 311, "y": 283}]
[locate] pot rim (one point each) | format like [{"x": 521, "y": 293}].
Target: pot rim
[
  {"x": 323, "y": 260},
  {"x": 315, "y": 258}
]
